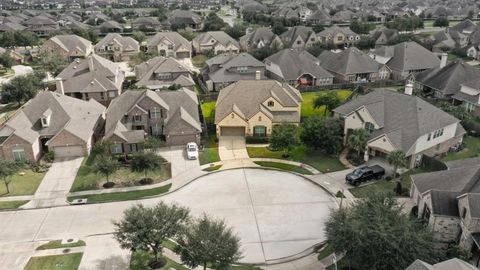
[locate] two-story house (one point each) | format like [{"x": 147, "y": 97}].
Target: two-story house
[
  {"x": 170, "y": 115},
  {"x": 179, "y": 19},
  {"x": 252, "y": 108},
  {"x": 215, "y": 41},
  {"x": 469, "y": 96},
  {"x": 338, "y": 36},
  {"x": 41, "y": 25},
  {"x": 69, "y": 47},
  {"x": 92, "y": 78},
  {"x": 117, "y": 48},
  {"x": 227, "y": 68},
  {"x": 259, "y": 38},
  {"x": 162, "y": 72},
  {"x": 170, "y": 44},
  {"x": 299, "y": 37},
  {"x": 398, "y": 121}
]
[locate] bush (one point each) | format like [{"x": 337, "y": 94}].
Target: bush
[
  {"x": 257, "y": 140},
  {"x": 472, "y": 127},
  {"x": 146, "y": 181},
  {"x": 354, "y": 159},
  {"x": 339, "y": 194},
  {"x": 39, "y": 168}
]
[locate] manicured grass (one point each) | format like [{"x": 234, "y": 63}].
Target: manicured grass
[
  {"x": 472, "y": 149},
  {"x": 318, "y": 160},
  {"x": 123, "y": 196},
  {"x": 58, "y": 244},
  {"x": 57, "y": 262},
  {"x": 385, "y": 186},
  {"x": 209, "y": 154},
  {"x": 308, "y": 98},
  {"x": 326, "y": 251},
  {"x": 199, "y": 60},
  {"x": 212, "y": 168},
  {"x": 24, "y": 182},
  {"x": 140, "y": 259},
  {"x": 87, "y": 179},
  {"x": 11, "y": 204},
  {"x": 208, "y": 110},
  {"x": 283, "y": 166}
]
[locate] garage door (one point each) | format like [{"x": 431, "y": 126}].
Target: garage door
[
  {"x": 69, "y": 151},
  {"x": 232, "y": 131},
  {"x": 183, "y": 54}
]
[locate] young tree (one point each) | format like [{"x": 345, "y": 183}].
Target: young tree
[
  {"x": 441, "y": 22},
  {"x": 358, "y": 140},
  {"x": 374, "y": 233},
  {"x": 396, "y": 159},
  {"x": 208, "y": 240},
  {"x": 322, "y": 133},
  {"x": 146, "y": 228},
  {"x": 139, "y": 36},
  {"x": 145, "y": 162},
  {"x": 20, "y": 89},
  {"x": 6, "y": 60},
  {"x": 7, "y": 170},
  {"x": 105, "y": 165},
  {"x": 236, "y": 31},
  {"x": 284, "y": 137},
  {"x": 152, "y": 143},
  {"x": 329, "y": 100}
]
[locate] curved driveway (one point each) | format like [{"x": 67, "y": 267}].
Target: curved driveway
[{"x": 276, "y": 214}]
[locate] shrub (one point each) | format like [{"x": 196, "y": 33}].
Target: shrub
[
  {"x": 146, "y": 181},
  {"x": 472, "y": 127},
  {"x": 49, "y": 157},
  {"x": 39, "y": 168},
  {"x": 339, "y": 194},
  {"x": 257, "y": 140}
]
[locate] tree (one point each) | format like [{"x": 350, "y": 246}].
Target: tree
[
  {"x": 365, "y": 43},
  {"x": 213, "y": 23},
  {"x": 51, "y": 62},
  {"x": 20, "y": 89},
  {"x": 236, "y": 31},
  {"x": 441, "y": 22},
  {"x": 329, "y": 100},
  {"x": 358, "y": 140},
  {"x": 361, "y": 27},
  {"x": 139, "y": 36},
  {"x": 6, "y": 60},
  {"x": 105, "y": 165},
  {"x": 152, "y": 143},
  {"x": 458, "y": 111},
  {"x": 187, "y": 33},
  {"x": 317, "y": 28},
  {"x": 284, "y": 137},
  {"x": 397, "y": 159},
  {"x": 209, "y": 241},
  {"x": 278, "y": 28},
  {"x": 145, "y": 162},
  {"x": 322, "y": 133},
  {"x": 374, "y": 233},
  {"x": 262, "y": 53},
  {"x": 103, "y": 147},
  {"x": 7, "y": 170},
  {"x": 146, "y": 228}
]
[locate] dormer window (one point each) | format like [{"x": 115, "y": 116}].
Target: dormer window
[
  {"x": 271, "y": 104},
  {"x": 45, "y": 119}
]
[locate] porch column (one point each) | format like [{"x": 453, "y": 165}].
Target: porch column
[{"x": 366, "y": 155}]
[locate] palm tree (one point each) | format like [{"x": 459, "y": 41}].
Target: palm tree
[
  {"x": 358, "y": 140},
  {"x": 397, "y": 159}
]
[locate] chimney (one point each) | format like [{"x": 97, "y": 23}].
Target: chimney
[
  {"x": 443, "y": 60},
  {"x": 60, "y": 86},
  {"x": 258, "y": 75},
  {"x": 409, "y": 89}
]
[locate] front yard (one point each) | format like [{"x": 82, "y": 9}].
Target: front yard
[
  {"x": 283, "y": 166},
  {"x": 309, "y": 97},
  {"x": 209, "y": 153},
  {"x": 24, "y": 182},
  {"x": 123, "y": 196},
  {"x": 318, "y": 160},
  {"x": 57, "y": 262},
  {"x": 11, "y": 204},
  {"x": 472, "y": 149}
]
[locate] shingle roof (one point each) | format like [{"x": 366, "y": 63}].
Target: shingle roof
[
  {"x": 146, "y": 71},
  {"x": 294, "y": 64},
  {"x": 174, "y": 37},
  {"x": 127, "y": 43},
  {"x": 451, "y": 264},
  {"x": 72, "y": 43},
  {"x": 184, "y": 16},
  {"x": 349, "y": 61},
  {"x": 246, "y": 98},
  {"x": 334, "y": 29},
  {"x": 11, "y": 26},
  {"x": 444, "y": 203},
  {"x": 263, "y": 34},
  {"x": 410, "y": 56},
  {"x": 293, "y": 32},
  {"x": 232, "y": 61},
  {"x": 219, "y": 36},
  {"x": 402, "y": 118}
]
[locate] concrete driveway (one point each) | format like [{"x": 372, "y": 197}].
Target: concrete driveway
[
  {"x": 56, "y": 183},
  {"x": 232, "y": 147},
  {"x": 275, "y": 214},
  {"x": 102, "y": 252},
  {"x": 177, "y": 156}
]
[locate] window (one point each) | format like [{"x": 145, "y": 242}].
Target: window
[
  {"x": 438, "y": 133},
  {"x": 111, "y": 94},
  {"x": 86, "y": 96},
  {"x": 18, "y": 153},
  {"x": 156, "y": 130},
  {"x": 299, "y": 42},
  {"x": 155, "y": 112},
  {"x": 271, "y": 104},
  {"x": 117, "y": 148},
  {"x": 259, "y": 131},
  {"x": 469, "y": 107},
  {"x": 369, "y": 127},
  {"x": 137, "y": 118},
  {"x": 242, "y": 69},
  {"x": 102, "y": 95},
  {"x": 170, "y": 46},
  {"x": 429, "y": 137}
]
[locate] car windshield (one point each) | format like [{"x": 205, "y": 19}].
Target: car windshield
[
  {"x": 192, "y": 148},
  {"x": 357, "y": 172}
]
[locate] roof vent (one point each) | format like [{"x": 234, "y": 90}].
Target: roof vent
[{"x": 92, "y": 82}]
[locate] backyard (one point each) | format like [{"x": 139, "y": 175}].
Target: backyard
[
  {"x": 24, "y": 182},
  {"x": 309, "y": 97},
  {"x": 472, "y": 149}
]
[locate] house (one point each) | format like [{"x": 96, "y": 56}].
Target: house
[
  {"x": 444, "y": 81},
  {"x": 41, "y": 25},
  {"x": 319, "y": 17},
  {"x": 170, "y": 44},
  {"x": 110, "y": 27},
  {"x": 19, "y": 59},
  {"x": 216, "y": 41},
  {"x": 338, "y": 36},
  {"x": 353, "y": 65},
  {"x": 170, "y": 115},
  {"x": 10, "y": 27},
  {"x": 259, "y": 38},
  {"x": 147, "y": 24},
  {"x": 398, "y": 121},
  {"x": 299, "y": 37},
  {"x": 297, "y": 68},
  {"x": 179, "y": 19},
  {"x": 227, "y": 68},
  {"x": 469, "y": 96},
  {"x": 92, "y": 78},
  {"x": 383, "y": 36},
  {"x": 117, "y": 48},
  {"x": 51, "y": 122},
  {"x": 252, "y": 108},
  {"x": 69, "y": 47},
  {"x": 448, "y": 201},
  {"x": 405, "y": 58},
  {"x": 163, "y": 72},
  {"x": 448, "y": 264}
]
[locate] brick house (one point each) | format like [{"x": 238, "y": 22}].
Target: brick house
[
  {"x": 117, "y": 48},
  {"x": 69, "y": 47}
]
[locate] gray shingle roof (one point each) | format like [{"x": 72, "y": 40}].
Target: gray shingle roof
[
  {"x": 444, "y": 203},
  {"x": 451, "y": 264},
  {"x": 402, "y": 118},
  {"x": 294, "y": 64},
  {"x": 263, "y": 34},
  {"x": 127, "y": 43},
  {"x": 174, "y": 37},
  {"x": 229, "y": 62},
  {"x": 11, "y": 26},
  {"x": 349, "y": 61},
  {"x": 293, "y": 32},
  {"x": 409, "y": 56},
  {"x": 184, "y": 16},
  {"x": 72, "y": 42},
  {"x": 145, "y": 72},
  {"x": 219, "y": 36}
]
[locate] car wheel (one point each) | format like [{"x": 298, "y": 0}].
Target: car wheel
[{"x": 356, "y": 184}]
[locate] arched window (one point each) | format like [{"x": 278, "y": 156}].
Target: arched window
[{"x": 369, "y": 127}]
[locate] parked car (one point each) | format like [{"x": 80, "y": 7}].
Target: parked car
[
  {"x": 192, "y": 151},
  {"x": 365, "y": 174}
]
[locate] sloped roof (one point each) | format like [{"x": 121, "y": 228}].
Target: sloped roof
[
  {"x": 72, "y": 43},
  {"x": 11, "y": 26},
  {"x": 184, "y": 16},
  {"x": 146, "y": 71},
  {"x": 127, "y": 43},
  {"x": 173, "y": 37},
  {"x": 219, "y": 36},
  {"x": 335, "y": 29},
  {"x": 293, "y": 32},
  {"x": 232, "y": 61},
  {"x": 451, "y": 264},
  {"x": 411, "y": 56},
  {"x": 294, "y": 64},
  {"x": 465, "y": 25},
  {"x": 263, "y": 34},
  {"x": 349, "y": 61}
]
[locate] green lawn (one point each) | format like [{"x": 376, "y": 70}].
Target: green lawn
[
  {"x": 208, "y": 110},
  {"x": 11, "y": 204},
  {"x": 123, "y": 196},
  {"x": 24, "y": 182},
  {"x": 318, "y": 160},
  {"x": 86, "y": 179},
  {"x": 58, "y": 244},
  {"x": 140, "y": 259},
  {"x": 385, "y": 186},
  {"x": 57, "y": 262},
  {"x": 326, "y": 251},
  {"x": 209, "y": 154},
  {"x": 283, "y": 166},
  {"x": 308, "y": 98},
  {"x": 199, "y": 60},
  {"x": 472, "y": 149},
  {"x": 212, "y": 168}
]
